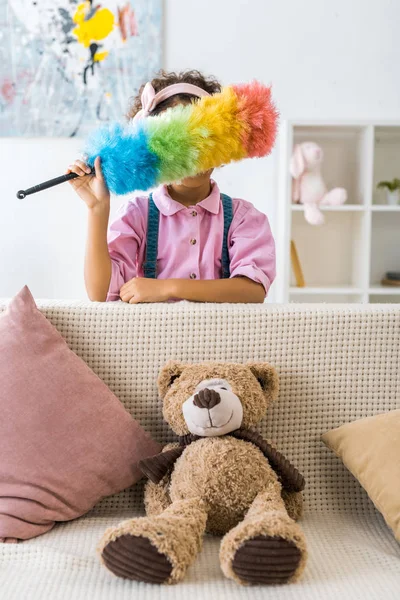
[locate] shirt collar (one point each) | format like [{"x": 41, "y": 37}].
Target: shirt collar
[{"x": 167, "y": 206}]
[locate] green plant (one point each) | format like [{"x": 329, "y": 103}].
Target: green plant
[{"x": 390, "y": 185}]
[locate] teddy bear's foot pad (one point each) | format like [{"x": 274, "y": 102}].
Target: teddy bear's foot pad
[
  {"x": 135, "y": 557},
  {"x": 266, "y": 560}
]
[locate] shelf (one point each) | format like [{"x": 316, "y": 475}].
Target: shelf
[
  {"x": 385, "y": 208},
  {"x": 385, "y": 254},
  {"x": 385, "y": 290},
  {"x": 375, "y": 289},
  {"x": 326, "y": 290},
  {"x": 344, "y": 153},
  {"x": 321, "y": 266},
  {"x": 311, "y": 123},
  {"x": 345, "y": 259},
  {"x": 343, "y": 208},
  {"x": 351, "y": 208},
  {"x": 386, "y": 159}
]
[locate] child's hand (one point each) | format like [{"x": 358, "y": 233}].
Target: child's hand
[
  {"x": 91, "y": 188},
  {"x": 140, "y": 289}
]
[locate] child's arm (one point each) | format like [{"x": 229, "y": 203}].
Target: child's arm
[
  {"x": 97, "y": 258},
  {"x": 237, "y": 289},
  {"x": 93, "y": 191}
]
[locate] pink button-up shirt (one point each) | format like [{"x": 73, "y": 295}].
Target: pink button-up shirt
[{"x": 190, "y": 241}]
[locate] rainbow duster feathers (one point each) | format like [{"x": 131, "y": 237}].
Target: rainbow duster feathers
[{"x": 240, "y": 122}]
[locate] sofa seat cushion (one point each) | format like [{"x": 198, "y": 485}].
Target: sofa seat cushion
[{"x": 351, "y": 557}]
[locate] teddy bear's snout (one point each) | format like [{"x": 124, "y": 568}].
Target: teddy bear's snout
[
  {"x": 207, "y": 399},
  {"x": 213, "y": 410}
]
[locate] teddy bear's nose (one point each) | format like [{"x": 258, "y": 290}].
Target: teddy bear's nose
[{"x": 207, "y": 399}]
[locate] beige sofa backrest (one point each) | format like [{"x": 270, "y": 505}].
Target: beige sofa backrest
[{"x": 336, "y": 363}]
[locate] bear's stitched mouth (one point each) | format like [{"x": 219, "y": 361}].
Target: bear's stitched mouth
[{"x": 214, "y": 426}]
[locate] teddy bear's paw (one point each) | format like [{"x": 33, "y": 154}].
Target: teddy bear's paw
[
  {"x": 266, "y": 560},
  {"x": 264, "y": 549},
  {"x": 135, "y": 557},
  {"x": 156, "y": 549}
]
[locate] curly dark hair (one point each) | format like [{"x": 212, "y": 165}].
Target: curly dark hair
[{"x": 164, "y": 79}]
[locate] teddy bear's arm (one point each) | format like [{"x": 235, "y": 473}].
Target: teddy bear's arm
[
  {"x": 156, "y": 467},
  {"x": 156, "y": 496}
]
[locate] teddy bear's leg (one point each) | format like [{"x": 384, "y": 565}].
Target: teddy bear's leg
[
  {"x": 156, "y": 549},
  {"x": 294, "y": 503},
  {"x": 313, "y": 215},
  {"x": 334, "y": 197},
  {"x": 156, "y": 497},
  {"x": 267, "y": 547}
]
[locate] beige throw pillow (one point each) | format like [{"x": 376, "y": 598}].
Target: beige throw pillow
[{"x": 370, "y": 449}]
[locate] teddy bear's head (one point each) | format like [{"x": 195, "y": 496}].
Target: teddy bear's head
[{"x": 211, "y": 399}]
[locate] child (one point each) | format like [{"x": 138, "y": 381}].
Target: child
[{"x": 187, "y": 241}]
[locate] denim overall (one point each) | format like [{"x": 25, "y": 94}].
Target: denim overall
[{"x": 150, "y": 264}]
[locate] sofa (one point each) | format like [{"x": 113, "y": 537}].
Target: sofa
[{"x": 336, "y": 363}]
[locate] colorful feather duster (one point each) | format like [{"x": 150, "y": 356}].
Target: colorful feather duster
[{"x": 240, "y": 122}]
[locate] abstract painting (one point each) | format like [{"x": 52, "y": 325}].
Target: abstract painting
[{"x": 70, "y": 65}]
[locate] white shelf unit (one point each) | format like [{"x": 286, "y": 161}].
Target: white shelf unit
[{"x": 345, "y": 259}]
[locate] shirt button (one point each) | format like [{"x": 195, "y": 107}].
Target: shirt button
[
  {"x": 193, "y": 276},
  {"x": 193, "y": 241},
  {"x": 194, "y": 213}
]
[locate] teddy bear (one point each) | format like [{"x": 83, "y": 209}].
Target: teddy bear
[
  {"x": 221, "y": 478},
  {"x": 308, "y": 185}
]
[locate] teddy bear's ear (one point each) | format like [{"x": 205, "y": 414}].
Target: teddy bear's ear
[
  {"x": 171, "y": 371},
  {"x": 297, "y": 163},
  {"x": 267, "y": 377}
]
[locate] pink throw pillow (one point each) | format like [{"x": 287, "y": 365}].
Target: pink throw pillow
[{"x": 65, "y": 439}]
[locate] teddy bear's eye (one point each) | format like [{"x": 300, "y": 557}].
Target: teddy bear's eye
[
  {"x": 172, "y": 379},
  {"x": 224, "y": 388}
]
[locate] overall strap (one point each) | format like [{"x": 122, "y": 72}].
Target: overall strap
[
  {"x": 150, "y": 263},
  {"x": 228, "y": 216}
]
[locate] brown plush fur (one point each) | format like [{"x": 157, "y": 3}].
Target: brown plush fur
[
  {"x": 266, "y": 516},
  {"x": 221, "y": 485},
  {"x": 294, "y": 502},
  {"x": 177, "y": 533},
  {"x": 157, "y": 498},
  {"x": 256, "y": 385},
  {"x": 226, "y": 473}
]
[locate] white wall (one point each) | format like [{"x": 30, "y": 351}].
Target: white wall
[{"x": 325, "y": 58}]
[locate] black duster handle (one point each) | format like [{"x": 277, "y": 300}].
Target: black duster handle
[{"x": 48, "y": 184}]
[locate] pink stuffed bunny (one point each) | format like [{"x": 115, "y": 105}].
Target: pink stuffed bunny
[{"x": 308, "y": 185}]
